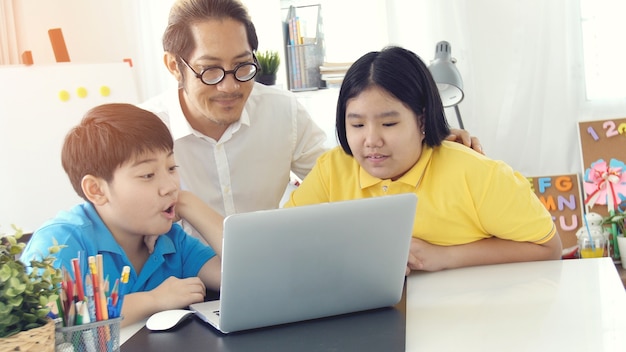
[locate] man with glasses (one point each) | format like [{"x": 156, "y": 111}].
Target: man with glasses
[
  {"x": 236, "y": 141},
  {"x": 214, "y": 74}
]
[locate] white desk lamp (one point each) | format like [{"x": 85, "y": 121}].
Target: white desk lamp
[{"x": 448, "y": 78}]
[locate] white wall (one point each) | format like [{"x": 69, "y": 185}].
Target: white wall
[
  {"x": 110, "y": 31},
  {"x": 35, "y": 115},
  {"x": 267, "y": 20},
  {"x": 351, "y": 27},
  {"x": 94, "y": 31}
]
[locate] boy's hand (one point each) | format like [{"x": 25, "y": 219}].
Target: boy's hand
[
  {"x": 205, "y": 221},
  {"x": 462, "y": 136},
  {"x": 175, "y": 293}
]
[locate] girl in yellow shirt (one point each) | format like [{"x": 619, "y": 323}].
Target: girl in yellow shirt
[{"x": 391, "y": 127}]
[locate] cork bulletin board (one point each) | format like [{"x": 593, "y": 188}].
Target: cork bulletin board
[
  {"x": 561, "y": 195},
  {"x": 603, "y": 140}
]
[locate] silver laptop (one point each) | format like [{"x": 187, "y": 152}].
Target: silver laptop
[{"x": 287, "y": 265}]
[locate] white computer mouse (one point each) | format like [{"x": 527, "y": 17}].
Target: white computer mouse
[{"x": 167, "y": 319}]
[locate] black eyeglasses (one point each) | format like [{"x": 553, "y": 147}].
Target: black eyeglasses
[{"x": 215, "y": 74}]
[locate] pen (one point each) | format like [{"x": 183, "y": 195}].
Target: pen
[
  {"x": 66, "y": 285},
  {"x": 76, "y": 318},
  {"x": 78, "y": 278},
  {"x": 71, "y": 314},
  {"x": 114, "y": 292},
  {"x": 122, "y": 291},
  {"x": 96, "y": 286},
  {"x": 88, "y": 335},
  {"x": 65, "y": 304},
  {"x": 100, "y": 266},
  {"x": 101, "y": 295},
  {"x": 95, "y": 265},
  {"x": 112, "y": 301},
  {"x": 60, "y": 306},
  {"x": 79, "y": 313},
  {"x": 69, "y": 285},
  {"x": 106, "y": 286},
  {"x": 91, "y": 304}
]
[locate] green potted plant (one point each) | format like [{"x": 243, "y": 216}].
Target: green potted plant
[
  {"x": 617, "y": 223},
  {"x": 25, "y": 295},
  {"x": 268, "y": 62}
]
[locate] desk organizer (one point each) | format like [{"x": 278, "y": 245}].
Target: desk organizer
[
  {"x": 93, "y": 337},
  {"x": 304, "y": 49}
]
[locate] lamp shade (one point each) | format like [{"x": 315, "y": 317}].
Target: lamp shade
[{"x": 446, "y": 75}]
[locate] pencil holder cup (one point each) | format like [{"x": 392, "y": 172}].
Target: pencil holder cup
[{"x": 93, "y": 337}]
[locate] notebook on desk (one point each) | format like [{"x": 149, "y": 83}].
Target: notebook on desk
[{"x": 287, "y": 265}]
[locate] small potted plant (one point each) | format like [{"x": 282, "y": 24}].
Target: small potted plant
[
  {"x": 25, "y": 295},
  {"x": 269, "y": 62},
  {"x": 616, "y": 224}
]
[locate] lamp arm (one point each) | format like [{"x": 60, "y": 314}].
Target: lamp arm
[{"x": 458, "y": 116}]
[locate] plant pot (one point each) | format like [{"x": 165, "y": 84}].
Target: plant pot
[
  {"x": 621, "y": 245},
  {"x": 39, "y": 339},
  {"x": 268, "y": 80}
]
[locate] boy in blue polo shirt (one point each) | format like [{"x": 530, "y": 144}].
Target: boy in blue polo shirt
[{"x": 120, "y": 160}]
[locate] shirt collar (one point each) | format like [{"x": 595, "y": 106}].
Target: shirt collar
[
  {"x": 178, "y": 124},
  {"x": 164, "y": 245},
  {"x": 107, "y": 243},
  {"x": 104, "y": 238},
  {"x": 411, "y": 178}
]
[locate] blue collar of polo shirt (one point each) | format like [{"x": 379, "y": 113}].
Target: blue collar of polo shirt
[{"x": 106, "y": 241}]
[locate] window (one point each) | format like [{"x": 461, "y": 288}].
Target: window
[{"x": 604, "y": 48}]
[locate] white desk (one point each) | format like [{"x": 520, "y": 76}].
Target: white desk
[{"x": 569, "y": 305}]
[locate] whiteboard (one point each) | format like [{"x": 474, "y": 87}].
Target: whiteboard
[{"x": 38, "y": 106}]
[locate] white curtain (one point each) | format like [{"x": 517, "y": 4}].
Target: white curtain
[
  {"x": 149, "y": 20},
  {"x": 523, "y": 71},
  {"x": 9, "y": 54}
]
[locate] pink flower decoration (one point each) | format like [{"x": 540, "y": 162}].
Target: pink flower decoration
[{"x": 605, "y": 184}]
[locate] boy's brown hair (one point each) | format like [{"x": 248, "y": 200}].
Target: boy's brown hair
[{"x": 108, "y": 136}]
